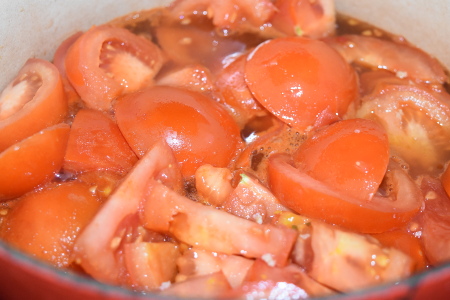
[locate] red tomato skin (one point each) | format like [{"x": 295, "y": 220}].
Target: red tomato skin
[
  {"x": 198, "y": 130},
  {"x": 302, "y": 81},
  {"x": 33, "y": 161},
  {"x": 311, "y": 198},
  {"x": 96, "y": 87},
  {"x": 96, "y": 143},
  {"x": 47, "y": 106},
  {"x": 45, "y": 223},
  {"x": 350, "y": 155}
]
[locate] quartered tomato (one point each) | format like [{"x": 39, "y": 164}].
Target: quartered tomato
[
  {"x": 198, "y": 129},
  {"x": 33, "y": 161},
  {"x": 96, "y": 143},
  {"x": 107, "y": 61},
  {"x": 46, "y": 223},
  {"x": 350, "y": 156},
  {"x": 32, "y": 101},
  {"x": 312, "y": 198},
  {"x": 302, "y": 81}
]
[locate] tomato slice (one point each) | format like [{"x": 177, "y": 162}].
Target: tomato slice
[
  {"x": 302, "y": 81},
  {"x": 196, "y": 224},
  {"x": 197, "y": 129},
  {"x": 312, "y": 198},
  {"x": 351, "y": 156},
  {"x": 107, "y": 61},
  {"x": 96, "y": 247},
  {"x": 33, "y": 161},
  {"x": 46, "y": 223},
  {"x": 34, "y": 100},
  {"x": 96, "y": 143}
]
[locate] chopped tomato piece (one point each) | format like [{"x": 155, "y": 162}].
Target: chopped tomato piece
[
  {"x": 33, "y": 161},
  {"x": 198, "y": 130},
  {"x": 435, "y": 221},
  {"x": 347, "y": 261},
  {"x": 213, "y": 184},
  {"x": 302, "y": 81},
  {"x": 312, "y": 198},
  {"x": 96, "y": 143},
  {"x": 102, "y": 183},
  {"x": 351, "y": 156},
  {"x": 45, "y": 223},
  {"x": 400, "y": 58},
  {"x": 315, "y": 19},
  {"x": 95, "y": 248},
  {"x": 198, "y": 262},
  {"x": 150, "y": 265},
  {"x": 203, "y": 226},
  {"x": 210, "y": 286},
  {"x": 193, "y": 77},
  {"x": 33, "y": 101},
  {"x": 106, "y": 62}
]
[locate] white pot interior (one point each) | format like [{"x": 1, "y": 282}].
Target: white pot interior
[{"x": 32, "y": 28}]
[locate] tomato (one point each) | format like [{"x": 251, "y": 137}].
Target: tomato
[
  {"x": 302, "y": 81},
  {"x": 210, "y": 286},
  {"x": 346, "y": 261},
  {"x": 312, "y": 198},
  {"x": 435, "y": 221},
  {"x": 351, "y": 156},
  {"x": 406, "y": 242},
  {"x": 96, "y": 143},
  {"x": 235, "y": 93},
  {"x": 32, "y": 101},
  {"x": 33, "y": 161},
  {"x": 151, "y": 264},
  {"x": 197, "y": 129},
  {"x": 59, "y": 61},
  {"x": 315, "y": 19},
  {"x": 106, "y": 62},
  {"x": 194, "y": 77},
  {"x": 416, "y": 119},
  {"x": 193, "y": 223},
  {"x": 46, "y": 223},
  {"x": 102, "y": 183},
  {"x": 97, "y": 246}
]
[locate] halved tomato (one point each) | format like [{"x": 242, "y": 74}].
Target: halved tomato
[
  {"x": 34, "y": 100},
  {"x": 107, "y": 61},
  {"x": 96, "y": 143},
  {"x": 312, "y": 198},
  {"x": 33, "y": 161},
  {"x": 45, "y": 223},
  {"x": 197, "y": 128},
  {"x": 302, "y": 81}
]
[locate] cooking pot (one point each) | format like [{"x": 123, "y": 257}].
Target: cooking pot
[{"x": 32, "y": 28}]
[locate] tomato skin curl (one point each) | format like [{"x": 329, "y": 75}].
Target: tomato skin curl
[{"x": 312, "y": 198}]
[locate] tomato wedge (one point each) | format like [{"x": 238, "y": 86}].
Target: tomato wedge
[
  {"x": 94, "y": 248},
  {"x": 302, "y": 81},
  {"x": 312, "y": 198},
  {"x": 107, "y": 61},
  {"x": 96, "y": 143},
  {"x": 33, "y": 161},
  {"x": 351, "y": 156},
  {"x": 197, "y": 129},
  {"x": 46, "y": 223},
  {"x": 32, "y": 101}
]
